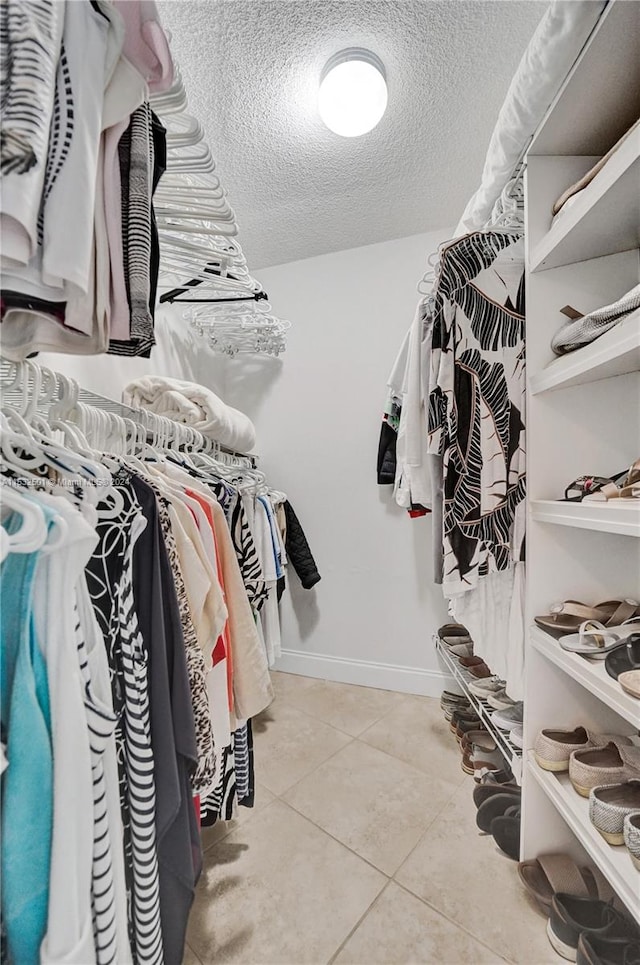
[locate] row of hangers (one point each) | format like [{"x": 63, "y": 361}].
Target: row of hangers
[
  {"x": 507, "y": 217},
  {"x": 198, "y": 244},
  {"x": 51, "y": 428}
]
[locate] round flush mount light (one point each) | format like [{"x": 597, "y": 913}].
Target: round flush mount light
[{"x": 353, "y": 92}]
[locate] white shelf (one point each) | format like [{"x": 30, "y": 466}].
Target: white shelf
[
  {"x": 591, "y": 674},
  {"x": 463, "y": 678},
  {"x": 617, "y": 352},
  {"x": 618, "y": 516},
  {"x": 602, "y": 219},
  {"x": 614, "y": 862}
]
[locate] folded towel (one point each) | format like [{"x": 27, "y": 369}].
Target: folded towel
[{"x": 196, "y": 406}]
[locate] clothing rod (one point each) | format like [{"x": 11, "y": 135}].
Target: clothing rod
[{"x": 148, "y": 419}]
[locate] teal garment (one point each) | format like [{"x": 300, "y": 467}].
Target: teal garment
[{"x": 27, "y": 783}]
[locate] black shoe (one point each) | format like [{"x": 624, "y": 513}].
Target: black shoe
[
  {"x": 572, "y": 916},
  {"x": 506, "y": 832},
  {"x": 495, "y": 807},
  {"x": 607, "y": 951}
]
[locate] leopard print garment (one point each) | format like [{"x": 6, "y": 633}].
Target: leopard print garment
[{"x": 204, "y": 776}]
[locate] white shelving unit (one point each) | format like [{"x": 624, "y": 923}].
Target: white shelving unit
[
  {"x": 617, "y": 352},
  {"x": 511, "y": 753},
  {"x": 621, "y": 517},
  {"x": 591, "y": 674},
  {"x": 583, "y": 416},
  {"x": 614, "y": 862}
]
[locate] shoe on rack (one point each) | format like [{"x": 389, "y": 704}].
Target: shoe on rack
[
  {"x": 500, "y": 700},
  {"x": 458, "y": 716},
  {"x": 465, "y": 726},
  {"x": 611, "y": 764},
  {"x": 625, "y": 657},
  {"x": 506, "y": 832},
  {"x": 449, "y": 702},
  {"x": 516, "y": 736},
  {"x": 607, "y": 951},
  {"x": 470, "y": 661},
  {"x": 572, "y": 916},
  {"x": 569, "y": 616},
  {"x": 462, "y": 650},
  {"x": 501, "y": 776},
  {"x": 631, "y": 834},
  {"x": 495, "y": 807},
  {"x": 453, "y": 633},
  {"x": 610, "y": 804},
  {"x": 553, "y": 748},
  {"x": 510, "y": 718},
  {"x": 489, "y": 685},
  {"x": 480, "y": 670}
]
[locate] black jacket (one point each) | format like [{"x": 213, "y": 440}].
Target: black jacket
[{"x": 298, "y": 551}]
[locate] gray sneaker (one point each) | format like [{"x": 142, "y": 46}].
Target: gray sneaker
[{"x": 510, "y": 718}]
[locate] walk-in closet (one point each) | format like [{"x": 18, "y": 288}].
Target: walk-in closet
[{"x": 319, "y": 482}]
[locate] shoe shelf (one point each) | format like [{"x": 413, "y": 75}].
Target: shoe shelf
[
  {"x": 614, "y": 862},
  {"x": 602, "y": 219},
  {"x": 621, "y": 516},
  {"x": 591, "y": 674},
  {"x": 617, "y": 352},
  {"x": 511, "y": 753}
]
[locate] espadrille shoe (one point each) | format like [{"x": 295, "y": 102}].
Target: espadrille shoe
[
  {"x": 610, "y": 764},
  {"x": 553, "y": 748},
  {"x": 609, "y": 806},
  {"x": 462, "y": 650},
  {"x": 631, "y": 832}
]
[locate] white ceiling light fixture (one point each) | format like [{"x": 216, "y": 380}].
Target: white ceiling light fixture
[{"x": 353, "y": 92}]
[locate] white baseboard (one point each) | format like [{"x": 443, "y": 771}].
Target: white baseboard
[{"x": 365, "y": 673}]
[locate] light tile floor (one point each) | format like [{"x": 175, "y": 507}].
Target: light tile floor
[{"x": 362, "y": 847}]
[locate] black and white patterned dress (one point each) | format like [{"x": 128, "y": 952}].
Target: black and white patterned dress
[
  {"x": 476, "y": 405},
  {"x": 109, "y": 578}
]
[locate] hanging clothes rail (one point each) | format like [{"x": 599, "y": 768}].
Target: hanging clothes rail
[{"x": 36, "y": 389}]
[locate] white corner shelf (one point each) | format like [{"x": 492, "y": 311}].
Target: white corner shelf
[
  {"x": 463, "y": 678},
  {"x": 591, "y": 674},
  {"x": 617, "y": 352},
  {"x": 614, "y": 862},
  {"x": 601, "y": 219},
  {"x": 619, "y": 516}
]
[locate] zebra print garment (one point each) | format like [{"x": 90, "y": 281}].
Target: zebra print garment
[
  {"x": 476, "y": 404},
  {"x": 30, "y": 35},
  {"x": 110, "y": 586},
  {"x": 247, "y": 554},
  {"x": 101, "y": 725}
]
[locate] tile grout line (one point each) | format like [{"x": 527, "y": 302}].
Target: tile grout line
[
  {"x": 338, "y": 841},
  {"x": 358, "y": 923},
  {"x": 320, "y": 720},
  {"x": 193, "y": 952},
  {"x": 452, "y": 921}
]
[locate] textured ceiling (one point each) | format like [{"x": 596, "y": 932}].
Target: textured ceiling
[{"x": 251, "y": 69}]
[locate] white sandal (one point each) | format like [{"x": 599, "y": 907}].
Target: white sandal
[{"x": 595, "y": 640}]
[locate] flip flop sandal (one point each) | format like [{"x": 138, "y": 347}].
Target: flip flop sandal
[
  {"x": 568, "y": 617},
  {"x": 549, "y": 873},
  {"x": 495, "y": 807},
  {"x": 483, "y": 792},
  {"x": 625, "y": 657},
  {"x": 506, "y": 832},
  {"x": 595, "y": 641},
  {"x": 585, "y": 486},
  {"x": 629, "y": 680}
]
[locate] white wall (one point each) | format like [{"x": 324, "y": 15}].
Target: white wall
[{"x": 318, "y": 413}]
